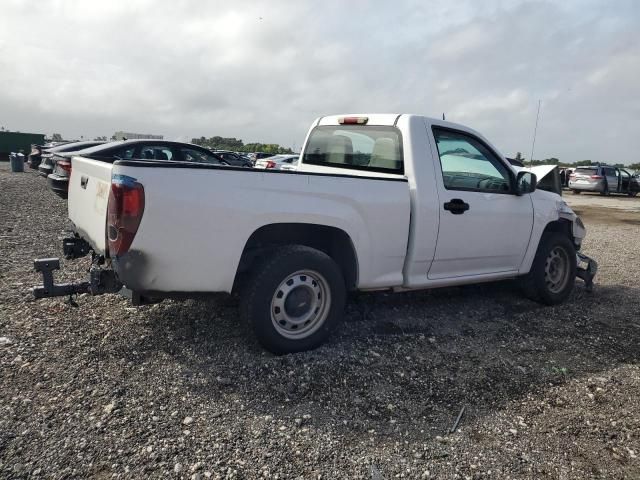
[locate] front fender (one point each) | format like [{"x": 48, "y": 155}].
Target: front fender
[{"x": 549, "y": 208}]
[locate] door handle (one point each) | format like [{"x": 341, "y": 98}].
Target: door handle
[
  {"x": 83, "y": 181},
  {"x": 456, "y": 206}
]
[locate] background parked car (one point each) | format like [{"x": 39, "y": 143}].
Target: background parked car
[
  {"x": 259, "y": 156},
  {"x": 291, "y": 166},
  {"x": 603, "y": 179},
  {"x": 48, "y": 155},
  {"x": 35, "y": 156},
  {"x": 146, "y": 149},
  {"x": 276, "y": 162},
  {"x": 234, "y": 159}
]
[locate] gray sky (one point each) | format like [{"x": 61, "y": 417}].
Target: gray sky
[{"x": 262, "y": 71}]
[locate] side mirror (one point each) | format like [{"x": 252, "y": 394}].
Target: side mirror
[{"x": 525, "y": 182}]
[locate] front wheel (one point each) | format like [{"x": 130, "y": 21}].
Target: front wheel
[
  {"x": 576, "y": 192},
  {"x": 553, "y": 272},
  {"x": 294, "y": 299}
]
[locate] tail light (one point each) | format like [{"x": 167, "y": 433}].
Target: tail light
[
  {"x": 353, "y": 120},
  {"x": 271, "y": 164},
  {"x": 124, "y": 213},
  {"x": 597, "y": 177},
  {"x": 64, "y": 165}
]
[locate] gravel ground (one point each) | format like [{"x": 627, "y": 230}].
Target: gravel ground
[
  {"x": 181, "y": 390},
  {"x": 623, "y": 202}
]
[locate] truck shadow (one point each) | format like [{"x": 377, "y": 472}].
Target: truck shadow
[{"x": 403, "y": 362}]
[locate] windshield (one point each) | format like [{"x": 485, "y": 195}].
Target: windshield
[
  {"x": 587, "y": 170},
  {"x": 69, "y": 147},
  {"x": 375, "y": 148},
  {"x": 102, "y": 147}
]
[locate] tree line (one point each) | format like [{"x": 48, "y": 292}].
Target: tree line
[
  {"x": 555, "y": 161},
  {"x": 237, "y": 145},
  {"x": 214, "y": 143}
]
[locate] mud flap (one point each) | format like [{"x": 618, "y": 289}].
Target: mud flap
[{"x": 586, "y": 270}]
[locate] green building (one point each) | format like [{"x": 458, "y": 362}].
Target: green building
[{"x": 16, "y": 141}]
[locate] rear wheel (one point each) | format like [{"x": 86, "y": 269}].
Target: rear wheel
[
  {"x": 553, "y": 271},
  {"x": 633, "y": 194},
  {"x": 294, "y": 299},
  {"x": 576, "y": 192}
]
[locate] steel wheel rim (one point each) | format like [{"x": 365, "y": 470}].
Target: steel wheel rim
[
  {"x": 556, "y": 270},
  {"x": 300, "y": 304}
]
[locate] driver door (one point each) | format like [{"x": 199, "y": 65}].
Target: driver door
[
  {"x": 612, "y": 178},
  {"x": 484, "y": 227}
]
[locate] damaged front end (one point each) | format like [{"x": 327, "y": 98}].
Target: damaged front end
[
  {"x": 586, "y": 267},
  {"x": 586, "y": 270}
]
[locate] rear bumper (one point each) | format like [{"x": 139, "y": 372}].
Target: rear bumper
[
  {"x": 587, "y": 187},
  {"x": 45, "y": 170},
  {"x": 34, "y": 161},
  {"x": 59, "y": 185}
]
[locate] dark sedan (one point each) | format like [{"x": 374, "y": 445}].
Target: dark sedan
[
  {"x": 35, "y": 157},
  {"x": 47, "y": 154},
  {"x": 145, "y": 149},
  {"x": 234, "y": 159}
]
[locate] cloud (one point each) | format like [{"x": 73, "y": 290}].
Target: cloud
[{"x": 263, "y": 71}]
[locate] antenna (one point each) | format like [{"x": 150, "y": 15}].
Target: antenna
[
  {"x": 535, "y": 131},
  {"x": 443, "y": 116}
]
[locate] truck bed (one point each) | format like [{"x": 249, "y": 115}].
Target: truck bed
[{"x": 198, "y": 219}]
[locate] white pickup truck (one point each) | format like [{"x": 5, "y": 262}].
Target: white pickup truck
[{"x": 379, "y": 202}]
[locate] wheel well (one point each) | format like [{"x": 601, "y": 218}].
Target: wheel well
[
  {"x": 560, "y": 226},
  {"x": 333, "y": 241}
]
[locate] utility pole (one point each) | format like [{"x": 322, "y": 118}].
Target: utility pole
[{"x": 535, "y": 131}]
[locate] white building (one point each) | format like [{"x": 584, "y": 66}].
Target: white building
[{"x": 130, "y": 136}]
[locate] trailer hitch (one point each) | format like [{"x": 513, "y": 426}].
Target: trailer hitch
[
  {"x": 100, "y": 281},
  {"x": 50, "y": 289}
]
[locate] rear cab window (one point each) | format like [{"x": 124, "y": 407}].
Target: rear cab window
[
  {"x": 586, "y": 170},
  {"x": 357, "y": 147}
]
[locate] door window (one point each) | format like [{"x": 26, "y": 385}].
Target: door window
[
  {"x": 155, "y": 152},
  {"x": 127, "y": 152},
  {"x": 198, "y": 156},
  {"x": 467, "y": 164}
]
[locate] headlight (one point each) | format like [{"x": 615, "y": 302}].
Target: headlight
[{"x": 579, "y": 222}]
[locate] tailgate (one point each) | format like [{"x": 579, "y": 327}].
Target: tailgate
[{"x": 88, "y": 196}]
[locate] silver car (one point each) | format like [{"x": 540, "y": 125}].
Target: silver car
[
  {"x": 277, "y": 162},
  {"x": 594, "y": 178},
  {"x": 604, "y": 180}
]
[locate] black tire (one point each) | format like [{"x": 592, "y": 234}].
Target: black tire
[
  {"x": 633, "y": 194},
  {"x": 537, "y": 284},
  {"x": 265, "y": 286},
  {"x": 576, "y": 192}
]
